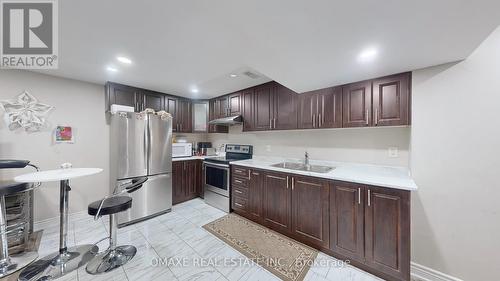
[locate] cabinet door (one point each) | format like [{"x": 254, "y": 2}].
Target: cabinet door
[
  {"x": 199, "y": 178},
  {"x": 308, "y": 103},
  {"x": 248, "y": 110},
  {"x": 391, "y": 100},
  {"x": 178, "y": 190},
  {"x": 213, "y": 108},
  {"x": 347, "y": 220},
  {"x": 171, "y": 107},
  {"x": 234, "y": 104},
  {"x": 277, "y": 202},
  {"x": 190, "y": 174},
  {"x": 122, "y": 95},
  {"x": 357, "y": 101},
  {"x": 153, "y": 100},
  {"x": 255, "y": 189},
  {"x": 222, "y": 107},
  {"x": 285, "y": 108},
  {"x": 330, "y": 108},
  {"x": 310, "y": 210},
  {"x": 387, "y": 231},
  {"x": 263, "y": 113},
  {"x": 184, "y": 115}
]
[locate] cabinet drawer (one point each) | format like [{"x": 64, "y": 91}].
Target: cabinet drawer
[
  {"x": 242, "y": 172},
  {"x": 240, "y": 192},
  {"x": 241, "y": 182},
  {"x": 240, "y": 203}
]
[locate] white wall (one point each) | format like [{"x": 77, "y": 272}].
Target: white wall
[
  {"x": 455, "y": 161},
  {"x": 77, "y": 104},
  {"x": 362, "y": 145}
]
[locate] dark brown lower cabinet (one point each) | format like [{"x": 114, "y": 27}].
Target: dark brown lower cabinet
[
  {"x": 347, "y": 220},
  {"x": 310, "y": 210},
  {"x": 186, "y": 178},
  {"x": 277, "y": 198},
  {"x": 387, "y": 231},
  {"x": 370, "y": 226}
]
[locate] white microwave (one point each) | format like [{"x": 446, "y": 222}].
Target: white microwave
[{"x": 182, "y": 149}]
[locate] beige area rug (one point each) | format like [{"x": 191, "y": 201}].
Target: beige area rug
[{"x": 283, "y": 256}]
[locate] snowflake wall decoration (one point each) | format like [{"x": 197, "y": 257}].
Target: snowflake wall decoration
[{"x": 25, "y": 112}]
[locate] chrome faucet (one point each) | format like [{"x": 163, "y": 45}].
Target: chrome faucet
[{"x": 306, "y": 161}]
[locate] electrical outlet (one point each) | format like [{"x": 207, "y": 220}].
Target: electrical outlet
[
  {"x": 393, "y": 152},
  {"x": 268, "y": 148}
]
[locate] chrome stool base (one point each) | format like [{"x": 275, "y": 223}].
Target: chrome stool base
[
  {"x": 111, "y": 259},
  {"x": 17, "y": 262},
  {"x": 56, "y": 265}
]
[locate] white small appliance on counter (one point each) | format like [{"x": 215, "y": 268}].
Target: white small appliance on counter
[{"x": 182, "y": 150}]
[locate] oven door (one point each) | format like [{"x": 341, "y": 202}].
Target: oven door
[{"x": 217, "y": 178}]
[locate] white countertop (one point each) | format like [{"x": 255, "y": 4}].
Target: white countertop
[
  {"x": 385, "y": 176},
  {"x": 192, "y": 158}
]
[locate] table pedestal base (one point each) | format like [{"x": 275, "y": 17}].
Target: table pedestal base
[
  {"x": 17, "y": 262},
  {"x": 56, "y": 265}
]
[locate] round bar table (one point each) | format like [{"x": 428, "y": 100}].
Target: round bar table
[{"x": 66, "y": 259}]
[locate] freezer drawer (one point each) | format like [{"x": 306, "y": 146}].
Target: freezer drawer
[{"x": 154, "y": 198}]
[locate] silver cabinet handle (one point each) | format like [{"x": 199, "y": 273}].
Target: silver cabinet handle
[
  {"x": 293, "y": 184},
  {"x": 359, "y": 195},
  {"x": 367, "y": 118},
  {"x": 314, "y": 120},
  {"x": 319, "y": 120},
  {"x": 237, "y": 204},
  {"x": 249, "y": 174},
  {"x": 238, "y": 181},
  {"x": 270, "y": 123},
  {"x": 286, "y": 182},
  {"x": 376, "y": 116},
  {"x": 274, "y": 123},
  {"x": 369, "y": 198},
  {"x": 255, "y": 174},
  {"x": 237, "y": 191}
]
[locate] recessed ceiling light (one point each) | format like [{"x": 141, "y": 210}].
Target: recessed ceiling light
[
  {"x": 233, "y": 75},
  {"x": 194, "y": 90},
  {"x": 124, "y": 60},
  {"x": 111, "y": 69},
  {"x": 367, "y": 55}
]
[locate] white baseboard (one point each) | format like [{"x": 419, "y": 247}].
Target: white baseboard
[{"x": 424, "y": 273}]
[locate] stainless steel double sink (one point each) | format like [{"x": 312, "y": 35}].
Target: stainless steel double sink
[{"x": 303, "y": 167}]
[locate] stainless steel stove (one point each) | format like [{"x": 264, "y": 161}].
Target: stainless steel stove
[{"x": 217, "y": 175}]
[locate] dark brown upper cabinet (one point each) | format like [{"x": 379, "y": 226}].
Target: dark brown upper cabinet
[
  {"x": 213, "y": 113},
  {"x": 262, "y": 107},
  {"x": 320, "y": 109},
  {"x": 120, "y": 94},
  {"x": 391, "y": 100},
  {"x": 284, "y": 107},
  {"x": 271, "y": 107},
  {"x": 234, "y": 104},
  {"x": 153, "y": 100},
  {"x": 180, "y": 109},
  {"x": 247, "y": 99},
  {"x": 357, "y": 104}
]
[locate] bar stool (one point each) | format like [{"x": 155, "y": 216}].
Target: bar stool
[
  {"x": 115, "y": 256},
  {"x": 10, "y": 264}
]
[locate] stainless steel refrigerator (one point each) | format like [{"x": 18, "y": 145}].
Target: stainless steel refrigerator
[{"x": 141, "y": 145}]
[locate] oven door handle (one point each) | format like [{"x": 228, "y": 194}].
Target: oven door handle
[{"x": 226, "y": 167}]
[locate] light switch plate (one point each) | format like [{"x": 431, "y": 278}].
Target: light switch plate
[{"x": 393, "y": 152}]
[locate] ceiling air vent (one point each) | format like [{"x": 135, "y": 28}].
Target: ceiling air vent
[{"x": 251, "y": 74}]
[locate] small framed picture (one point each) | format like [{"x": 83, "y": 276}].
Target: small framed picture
[{"x": 64, "y": 134}]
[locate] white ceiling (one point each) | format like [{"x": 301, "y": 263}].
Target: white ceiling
[{"x": 304, "y": 45}]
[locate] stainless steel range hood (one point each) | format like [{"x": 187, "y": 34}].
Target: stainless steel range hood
[{"x": 227, "y": 121}]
